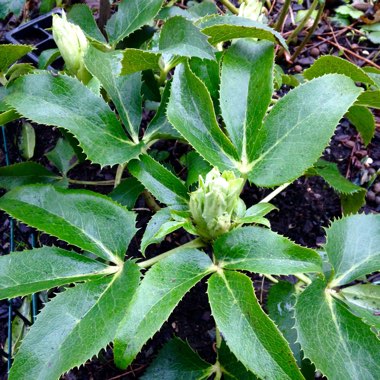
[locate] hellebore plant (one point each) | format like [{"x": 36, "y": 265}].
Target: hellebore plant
[{"x": 222, "y": 104}]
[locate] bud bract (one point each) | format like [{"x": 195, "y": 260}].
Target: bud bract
[
  {"x": 216, "y": 203},
  {"x": 72, "y": 44}
]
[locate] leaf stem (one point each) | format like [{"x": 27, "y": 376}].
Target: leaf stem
[
  {"x": 281, "y": 18},
  {"x": 91, "y": 183},
  {"x": 196, "y": 243},
  {"x": 271, "y": 278},
  {"x": 230, "y": 6},
  {"x": 303, "y": 278},
  {"x": 274, "y": 193},
  {"x": 150, "y": 201},
  {"x": 119, "y": 174}
]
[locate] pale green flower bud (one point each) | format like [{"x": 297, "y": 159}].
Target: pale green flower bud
[
  {"x": 216, "y": 203},
  {"x": 252, "y": 9},
  {"x": 72, "y": 44}
]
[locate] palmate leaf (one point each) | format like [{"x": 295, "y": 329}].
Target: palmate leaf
[
  {"x": 65, "y": 102},
  {"x": 27, "y": 272},
  {"x": 177, "y": 361},
  {"x": 261, "y": 250},
  {"x": 82, "y": 218},
  {"x": 191, "y": 112},
  {"x": 25, "y": 173},
  {"x": 340, "y": 345},
  {"x": 130, "y": 16},
  {"x": 75, "y": 325},
  {"x": 163, "y": 184},
  {"x": 249, "y": 333},
  {"x": 298, "y": 128},
  {"x": 353, "y": 247},
  {"x": 160, "y": 291},
  {"x": 246, "y": 91},
  {"x": 125, "y": 91}
]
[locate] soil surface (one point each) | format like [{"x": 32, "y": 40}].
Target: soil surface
[{"x": 305, "y": 207}]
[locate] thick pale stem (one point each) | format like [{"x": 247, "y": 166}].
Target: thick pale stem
[
  {"x": 281, "y": 18},
  {"x": 274, "y": 193},
  {"x": 230, "y": 6},
  {"x": 196, "y": 243},
  {"x": 271, "y": 278},
  {"x": 119, "y": 174},
  {"x": 92, "y": 183},
  {"x": 150, "y": 201},
  {"x": 303, "y": 278}
]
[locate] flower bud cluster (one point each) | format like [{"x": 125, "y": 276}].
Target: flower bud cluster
[{"x": 216, "y": 203}]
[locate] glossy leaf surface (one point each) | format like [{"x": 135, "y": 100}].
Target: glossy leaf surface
[
  {"x": 253, "y": 337},
  {"x": 160, "y": 291},
  {"x": 27, "y": 272},
  {"x": 261, "y": 250},
  {"x": 11, "y": 53},
  {"x": 65, "y": 102},
  {"x": 350, "y": 349},
  {"x": 82, "y": 218},
  {"x": 75, "y": 326}
]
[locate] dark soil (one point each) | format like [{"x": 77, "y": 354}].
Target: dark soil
[{"x": 305, "y": 208}]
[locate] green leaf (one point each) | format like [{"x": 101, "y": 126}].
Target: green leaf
[
  {"x": 27, "y": 272},
  {"x": 232, "y": 369},
  {"x": 47, "y": 57},
  {"x": 159, "y": 127},
  {"x": 75, "y": 326},
  {"x": 17, "y": 70},
  {"x": 65, "y": 102},
  {"x": 252, "y": 336},
  {"x": 364, "y": 122},
  {"x": 162, "y": 183},
  {"x": 27, "y": 142},
  {"x": 246, "y": 91},
  {"x": 11, "y": 53},
  {"x": 206, "y": 7},
  {"x": 158, "y": 219},
  {"x": 177, "y": 361},
  {"x": 261, "y": 250},
  {"x": 298, "y": 128},
  {"x": 256, "y": 213},
  {"x": 364, "y": 301},
  {"x": 130, "y": 16},
  {"x": 373, "y": 73},
  {"x": 63, "y": 156},
  {"x": 181, "y": 37},
  {"x": 8, "y": 116},
  {"x": 191, "y": 112},
  {"x": 225, "y": 28},
  {"x": 160, "y": 291},
  {"x": 125, "y": 91},
  {"x": 280, "y": 305},
  {"x": 329, "y": 64},
  {"x": 353, "y": 247},
  {"x": 25, "y": 173},
  {"x": 127, "y": 192},
  {"x": 369, "y": 99},
  {"x": 81, "y": 15},
  {"x": 339, "y": 343},
  {"x": 196, "y": 166},
  {"x": 352, "y": 196},
  {"x": 11, "y": 6},
  {"x": 139, "y": 60},
  {"x": 46, "y": 6},
  {"x": 82, "y": 218}
]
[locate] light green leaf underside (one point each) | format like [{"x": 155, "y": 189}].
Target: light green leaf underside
[
  {"x": 27, "y": 272},
  {"x": 353, "y": 247},
  {"x": 249, "y": 333},
  {"x": 130, "y": 16},
  {"x": 11, "y": 53},
  {"x": 163, "y": 184},
  {"x": 246, "y": 91},
  {"x": 191, "y": 112},
  {"x": 341, "y": 346},
  {"x": 65, "y": 102},
  {"x": 63, "y": 156},
  {"x": 82, "y": 218},
  {"x": 181, "y": 37},
  {"x": 75, "y": 325},
  {"x": 25, "y": 173},
  {"x": 330, "y": 64},
  {"x": 256, "y": 213},
  {"x": 160, "y": 291},
  {"x": 364, "y": 122},
  {"x": 225, "y": 28},
  {"x": 261, "y": 250},
  {"x": 125, "y": 91},
  {"x": 139, "y": 60},
  {"x": 177, "y": 361},
  {"x": 299, "y": 127},
  {"x": 81, "y": 15}
]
